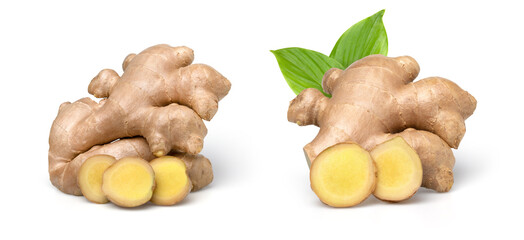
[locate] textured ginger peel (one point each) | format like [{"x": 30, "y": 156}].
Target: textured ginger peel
[
  {"x": 374, "y": 100},
  {"x": 198, "y": 169}
]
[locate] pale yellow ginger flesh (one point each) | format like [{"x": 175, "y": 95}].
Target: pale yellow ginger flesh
[
  {"x": 172, "y": 181},
  {"x": 399, "y": 170},
  {"x": 343, "y": 175},
  {"x": 90, "y": 177},
  {"x": 129, "y": 182}
]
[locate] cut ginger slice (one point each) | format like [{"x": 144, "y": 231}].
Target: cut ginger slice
[
  {"x": 172, "y": 182},
  {"x": 129, "y": 182},
  {"x": 343, "y": 175},
  {"x": 399, "y": 170},
  {"x": 90, "y": 177}
]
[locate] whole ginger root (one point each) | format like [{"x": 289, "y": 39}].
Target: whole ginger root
[
  {"x": 154, "y": 108},
  {"x": 375, "y": 100}
]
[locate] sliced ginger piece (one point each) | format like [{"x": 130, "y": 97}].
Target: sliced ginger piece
[
  {"x": 90, "y": 177},
  {"x": 129, "y": 182},
  {"x": 343, "y": 175},
  {"x": 399, "y": 170},
  {"x": 172, "y": 181}
]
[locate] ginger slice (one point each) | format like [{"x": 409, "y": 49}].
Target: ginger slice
[
  {"x": 172, "y": 181},
  {"x": 343, "y": 175},
  {"x": 129, "y": 182},
  {"x": 399, "y": 170},
  {"x": 90, "y": 177}
]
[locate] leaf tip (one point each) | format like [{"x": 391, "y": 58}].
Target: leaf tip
[{"x": 275, "y": 52}]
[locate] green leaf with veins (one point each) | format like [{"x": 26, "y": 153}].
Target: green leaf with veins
[
  {"x": 365, "y": 38},
  {"x": 304, "y": 68}
]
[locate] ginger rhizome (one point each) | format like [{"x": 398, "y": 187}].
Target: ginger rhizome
[
  {"x": 399, "y": 170},
  {"x": 172, "y": 181},
  {"x": 129, "y": 182},
  {"x": 374, "y": 100},
  {"x": 90, "y": 177},
  {"x": 161, "y": 97},
  {"x": 343, "y": 175}
]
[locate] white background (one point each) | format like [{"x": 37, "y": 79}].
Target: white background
[{"x": 50, "y": 50}]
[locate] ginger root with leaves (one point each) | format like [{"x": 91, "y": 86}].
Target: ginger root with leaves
[
  {"x": 370, "y": 102},
  {"x": 375, "y": 100},
  {"x": 154, "y": 108}
]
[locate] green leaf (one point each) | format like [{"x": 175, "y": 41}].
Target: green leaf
[
  {"x": 303, "y": 68},
  {"x": 365, "y": 38}
]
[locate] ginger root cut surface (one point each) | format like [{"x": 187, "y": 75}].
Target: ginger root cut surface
[
  {"x": 90, "y": 177},
  {"x": 399, "y": 171},
  {"x": 343, "y": 175},
  {"x": 172, "y": 182},
  {"x": 129, "y": 182}
]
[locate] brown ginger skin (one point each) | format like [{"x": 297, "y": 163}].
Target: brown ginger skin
[
  {"x": 374, "y": 100},
  {"x": 198, "y": 168},
  {"x": 160, "y": 96}
]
